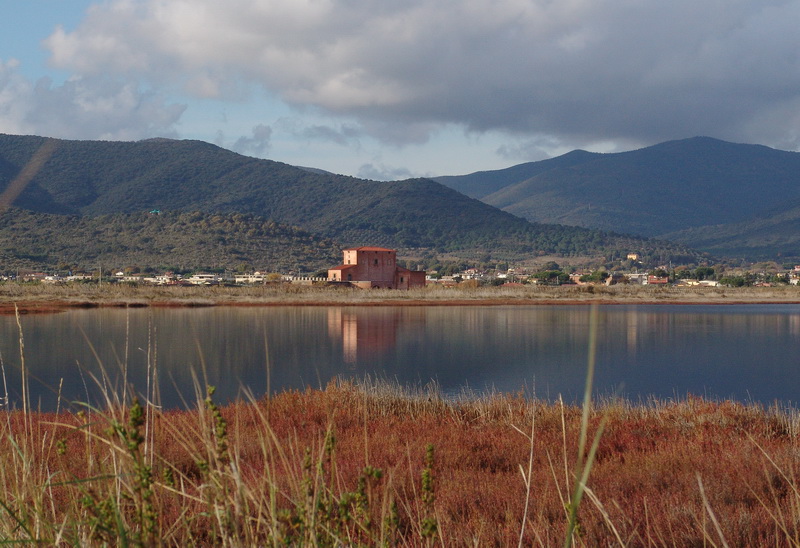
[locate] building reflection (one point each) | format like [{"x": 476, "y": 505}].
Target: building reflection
[
  {"x": 794, "y": 324},
  {"x": 366, "y": 334},
  {"x": 632, "y": 332}
]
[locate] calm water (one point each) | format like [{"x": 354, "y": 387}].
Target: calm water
[{"x": 748, "y": 352}]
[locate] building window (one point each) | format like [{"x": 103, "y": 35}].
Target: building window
[{"x": 376, "y": 262}]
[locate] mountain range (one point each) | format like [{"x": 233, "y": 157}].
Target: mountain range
[
  {"x": 723, "y": 198},
  {"x": 62, "y": 179}
]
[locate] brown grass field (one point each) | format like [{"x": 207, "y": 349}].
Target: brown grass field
[
  {"x": 373, "y": 465},
  {"x": 32, "y": 298}
]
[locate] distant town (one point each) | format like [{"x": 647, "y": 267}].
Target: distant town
[{"x": 376, "y": 267}]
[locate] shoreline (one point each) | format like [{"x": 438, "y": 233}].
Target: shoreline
[
  {"x": 43, "y": 299},
  {"x": 55, "y": 307}
]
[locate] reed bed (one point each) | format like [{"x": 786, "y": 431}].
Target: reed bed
[{"x": 375, "y": 464}]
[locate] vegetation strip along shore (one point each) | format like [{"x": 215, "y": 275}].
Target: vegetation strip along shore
[
  {"x": 40, "y": 298},
  {"x": 373, "y": 464}
]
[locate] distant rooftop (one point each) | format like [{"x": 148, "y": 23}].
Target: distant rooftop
[{"x": 368, "y": 248}]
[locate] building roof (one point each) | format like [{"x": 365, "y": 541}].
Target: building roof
[
  {"x": 343, "y": 267},
  {"x": 368, "y": 248}
]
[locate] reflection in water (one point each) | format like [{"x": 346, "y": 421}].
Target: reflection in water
[
  {"x": 748, "y": 352},
  {"x": 794, "y": 324},
  {"x": 633, "y": 334},
  {"x": 349, "y": 324},
  {"x": 366, "y": 333}
]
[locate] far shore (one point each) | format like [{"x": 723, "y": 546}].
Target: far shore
[{"x": 43, "y": 298}]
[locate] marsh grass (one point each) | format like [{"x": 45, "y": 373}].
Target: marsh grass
[{"x": 375, "y": 464}]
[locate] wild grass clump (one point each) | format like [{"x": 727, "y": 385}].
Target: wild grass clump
[{"x": 373, "y": 464}]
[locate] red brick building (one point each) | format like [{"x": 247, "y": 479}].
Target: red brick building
[{"x": 370, "y": 267}]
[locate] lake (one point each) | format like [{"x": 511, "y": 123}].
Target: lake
[{"x": 743, "y": 352}]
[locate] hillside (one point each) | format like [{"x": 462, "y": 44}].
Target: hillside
[
  {"x": 662, "y": 191},
  {"x": 91, "y": 178},
  {"x": 484, "y": 183},
  {"x": 174, "y": 241},
  {"x": 772, "y": 235}
]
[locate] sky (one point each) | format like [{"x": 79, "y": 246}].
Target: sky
[{"x": 395, "y": 89}]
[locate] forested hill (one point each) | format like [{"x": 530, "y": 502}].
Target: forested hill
[
  {"x": 169, "y": 241},
  {"x": 699, "y": 190},
  {"x": 101, "y": 178}
]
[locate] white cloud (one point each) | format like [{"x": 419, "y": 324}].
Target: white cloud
[
  {"x": 577, "y": 70},
  {"x": 257, "y": 145},
  {"x": 381, "y": 172},
  {"x": 327, "y": 133},
  {"x": 15, "y": 92},
  {"x": 541, "y": 147},
  {"x": 83, "y": 108}
]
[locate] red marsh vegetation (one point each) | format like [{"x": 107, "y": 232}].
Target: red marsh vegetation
[{"x": 372, "y": 465}]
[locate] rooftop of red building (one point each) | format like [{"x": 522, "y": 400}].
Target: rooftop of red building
[{"x": 368, "y": 248}]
